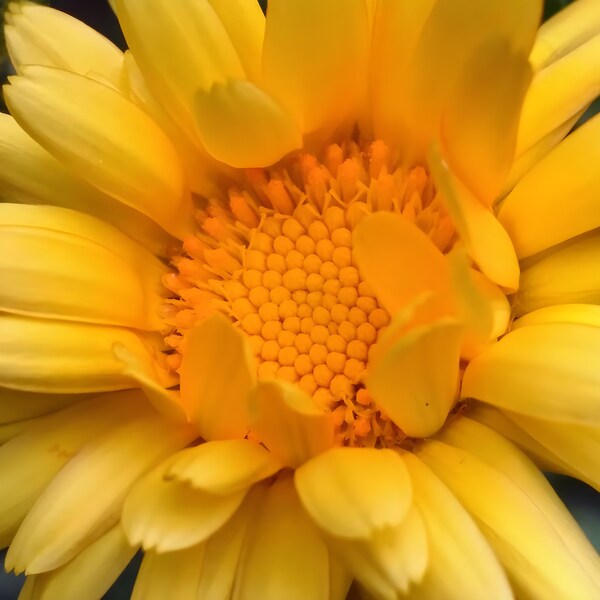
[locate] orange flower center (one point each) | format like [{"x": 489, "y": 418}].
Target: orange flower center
[{"x": 276, "y": 257}]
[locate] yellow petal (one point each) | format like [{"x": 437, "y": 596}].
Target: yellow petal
[
  {"x": 536, "y": 214},
  {"x": 30, "y": 461},
  {"x": 203, "y": 174},
  {"x": 500, "y": 422},
  {"x": 244, "y": 22},
  {"x": 479, "y": 125},
  {"x": 454, "y": 541},
  {"x": 398, "y": 260},
  {"x": 217, "y": 374},
  {"x": 481, "y": 306},
  {"x": 167, "y": 515},
  {"x": 40, "y": 35},
  {"x": 353, "y": 492},
  {"x": 288, "y": 422},
  {"x": 530, "y": 157},
  {"x": 314, "y": 56},
  {"x": 451, "y": 35},
  {"x": 566, "y": 30},
  {"x": 52, "y": 274},
  {"x": 167, "y": 402},
  {"x": 207, "y": 570},
  {"x": 575, "y": 445},
  {"x": 89, "y": 575},
  {"x": 558, "y": 92},
  {"x": 524, "y": 532},
  {"x": 397, "y": 28},
  {"x": 415, "y": 381},
  {"x": 499, "y": 454},
  {"x": 242, "y": 126},
  {"x": 222, "y": 467},
  {"x": 18, "y": 406},
  {"x": 547, "y": 371},
  {"x": 84, "y": 500},
  {"x": 181, "y": 48},
  {"x": 222, "y": 551},
  {"x": 484, "y": 238},
  {"x": 173, "y": 575},
  {"x": 53, "y": 218},
  {"x": 283, "y": 555},
  {"x": 568, "y": 275},
  {"x": 20, "y": 156},
  {"x": 585, "y": 314},
  {"x": 135, "y": 164},
  {"x": 391, "y": 560},
  {"x": 60, "y": 357}
]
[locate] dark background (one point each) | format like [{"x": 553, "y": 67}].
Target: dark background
[{"x": 580, "y": 499}]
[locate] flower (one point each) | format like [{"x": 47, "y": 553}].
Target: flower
[{"x": 300, "y": 303}]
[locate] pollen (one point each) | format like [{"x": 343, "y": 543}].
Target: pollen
[{"x": 275, "y": 256}]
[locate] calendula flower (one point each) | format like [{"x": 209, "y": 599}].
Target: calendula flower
[{"x": 300, "y": 303}]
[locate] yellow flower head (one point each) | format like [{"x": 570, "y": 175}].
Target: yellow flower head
[{"x": 300, "y": 304}]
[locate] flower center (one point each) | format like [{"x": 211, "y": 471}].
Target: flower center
[{"x": 276, "y": 257}]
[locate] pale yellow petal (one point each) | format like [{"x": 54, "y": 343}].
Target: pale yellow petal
[
  {"x": 29, "y": 462},
  {"x": 570, "y": 275},
  {"x": 222, "y": 551},
  {"x": 222, "y": 467},
  {"x": 61, "y": 357},
  {"x": 528, "y": 536},
  {"x": 485, "y": 239},
  {"x": 557, "y": 199},
  {"x": 523, "y": 163},
  {"x": 499, "y": 421},
  {"x": 495, "y": 451},
  {"x": 415, "y": 381},
  {"x": 173, "y": 575},
  {"x": 63, "y": 220},
  {"x": 203, "y": 173},
  {"x": 585, "y": 314},
  {"x": 391, "y": 561},
  {"x": 217, "y": 374},
  {"x": 283, "y": 554},
  {"x": 52, "y": 274},
  {"x": 40, "y": 35},
  {"x": 84, "y": 500},
  {"x": 454, "y": 541},
  {"x": 314, "y": 59},
  {"x": 398, "y": 260},
  {"x": 558, "y": 92},
  {"x": 576, "y": 445},
  {"x": 289, "y": 423},
  {"x": 167, "y": 515},
  {"x": 243, "y": 126},
  {"x": 244, "y": 22},
  {"x": 89, "y": 575},
  {"x": 106, "y": 139},
  {"x": 568, "y": 29},
  {"x": 206, "y": 571},
  {"x": 17, "y": 406},
  {"x": 547, "y": 371},
  {"x": 353, "y": 492},
  {"x": 181, "y": 48},
  {"x": 21, "y": 157}
]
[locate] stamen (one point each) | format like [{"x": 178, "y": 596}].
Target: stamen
[{"x": 277, "y": 259}]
